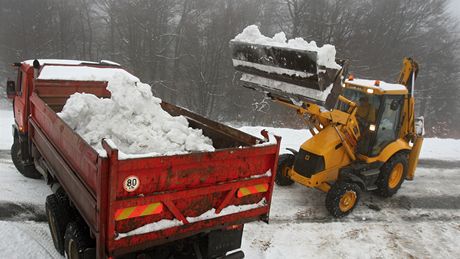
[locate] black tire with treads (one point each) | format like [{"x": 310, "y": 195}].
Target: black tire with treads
[
  {"x": 28, "y": 171},
  {"x": 284, "y": 161},
  {"x": 335, "y": 194},
  {"x": 384, "y": 190},
  {"x": 77, "y": 240},
  {"x": 58, "y": 214}
]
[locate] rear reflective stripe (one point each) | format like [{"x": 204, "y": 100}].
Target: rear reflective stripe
[
  {"x": 139, "y": 211},
  {"x": 245, "y": 191}
]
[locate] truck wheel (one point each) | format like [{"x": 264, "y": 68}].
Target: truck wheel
[
  {"x": 77, "y": 240},
  {"x": 342, "y": 198},
  {"x": 392, "y": 175},
  {"x": 57, "y": 212},
  {"x": 285, "y": 161},
  {"x": 28, "y": 171}
]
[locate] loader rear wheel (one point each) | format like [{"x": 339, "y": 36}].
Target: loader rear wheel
[
  {"x": 57, "y": 212},
  {"x": 342, "y": 198},
  {"x": 392, "y": 175},
  {"x": 78, "y": 242},
  {"x": 28, "y": 171},
  {"x": 285, "y": 162}
]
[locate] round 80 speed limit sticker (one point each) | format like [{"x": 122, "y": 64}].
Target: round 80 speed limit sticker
[{"x": 131, "y": 183}]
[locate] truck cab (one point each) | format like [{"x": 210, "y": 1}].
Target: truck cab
[{"x": 19, "y": 91}]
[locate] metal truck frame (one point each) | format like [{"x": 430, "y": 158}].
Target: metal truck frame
[{"x": 103, "y": 198}]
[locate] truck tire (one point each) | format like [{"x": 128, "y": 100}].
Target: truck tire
[
  {"x": 77, "y": 241},
  {"x": 392, "y": 175},
  {"x": 342, "y": 198},
  {"x": 285, "y": 161},
  {"x": 58, "y": 214},
  {"x": 28, "y": 171}
]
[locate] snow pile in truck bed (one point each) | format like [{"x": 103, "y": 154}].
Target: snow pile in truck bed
[
  {"x": 83, "y": 73},
  {"x": 326, "y": 53},
  {"x": 133, "y": 119}
]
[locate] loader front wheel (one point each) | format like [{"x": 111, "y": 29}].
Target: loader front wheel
[
  {"x": 342, "y": 198},
  {"x": 285, "y": 162},
  {"x": 392, "y": 175}
]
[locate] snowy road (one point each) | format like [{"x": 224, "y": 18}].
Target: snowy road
[{"x": 422, "y": 220}]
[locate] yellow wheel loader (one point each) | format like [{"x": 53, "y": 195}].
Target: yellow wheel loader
[{"x": 365, "y": 136}]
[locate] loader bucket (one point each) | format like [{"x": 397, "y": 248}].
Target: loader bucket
[{"x": 285, "y": 72}]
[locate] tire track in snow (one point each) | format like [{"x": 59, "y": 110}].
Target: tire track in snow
[
  {"x": 14, "y": 211},
  {"x": 358, "y": 219}
]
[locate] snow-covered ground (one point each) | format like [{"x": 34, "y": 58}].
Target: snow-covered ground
[
  {"x": 422, "y": 220},
  {"x": 24, "y": 232},
  {"x": 6, "y": 120},
  {"x": 432, "y": 149}
]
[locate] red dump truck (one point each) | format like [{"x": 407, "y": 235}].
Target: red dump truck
[{"x": 193, "y": 205}]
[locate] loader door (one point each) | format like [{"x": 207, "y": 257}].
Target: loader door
[{"x": 387, "y": 129}]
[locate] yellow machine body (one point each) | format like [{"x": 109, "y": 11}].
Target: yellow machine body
[
  {"x": 335, "y": 134},
  {"x": 364, "y": 135}
]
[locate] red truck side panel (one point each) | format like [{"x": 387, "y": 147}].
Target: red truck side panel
[
  {"x": 182, "y": 185},
  {"x": 187, "y": 186},
  {"x": 81, "y": 157},
  {"x": 82, "y": 198}
]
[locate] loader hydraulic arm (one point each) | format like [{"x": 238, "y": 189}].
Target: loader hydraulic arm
[
  {"x": 318, "y": 118},
  {"x": 408, "y": 74},
  {"x": 407, "y": 77}
]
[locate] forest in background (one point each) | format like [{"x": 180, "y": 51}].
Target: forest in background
[{"x": 181, "y": 47}]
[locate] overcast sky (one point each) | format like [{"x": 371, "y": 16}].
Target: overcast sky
[{"x": 455, "y": 7}]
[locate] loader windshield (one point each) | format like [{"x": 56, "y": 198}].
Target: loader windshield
[
  {"x": 368, "y": 104},
  {"x": 368, "y": 107}
]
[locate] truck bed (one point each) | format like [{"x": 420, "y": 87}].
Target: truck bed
[{"x": 177, "y": 196}]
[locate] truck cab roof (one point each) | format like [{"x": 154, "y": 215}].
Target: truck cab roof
[{"x": 68, "y": 62}]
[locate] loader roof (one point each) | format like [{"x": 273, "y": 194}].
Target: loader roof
[{"x": 379, "y": 87}]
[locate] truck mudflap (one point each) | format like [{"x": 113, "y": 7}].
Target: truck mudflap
[{"x": 156, "y": 200}]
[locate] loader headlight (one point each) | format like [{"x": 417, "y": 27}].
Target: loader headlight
[
  {"x": 371, "y": 91},
  {"x": 372, "y": 127}
]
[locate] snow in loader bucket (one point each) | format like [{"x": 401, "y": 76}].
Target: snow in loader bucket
[{"x": 285, "y": 72}]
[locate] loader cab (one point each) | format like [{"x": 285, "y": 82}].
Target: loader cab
[{"x": 379, "y": 113}]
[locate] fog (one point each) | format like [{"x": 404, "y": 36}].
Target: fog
[{"x": 180, "y": 47}]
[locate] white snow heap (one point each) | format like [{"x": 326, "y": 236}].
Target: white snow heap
[
  {"x": 133, "y": 119},
  {"x": 326, "y": 53}
]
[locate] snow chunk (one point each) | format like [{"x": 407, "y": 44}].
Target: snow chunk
[
  {"x": 287, "y": 87},
  {"x": 326, "y": 53},
  {"x": 267, "y": 174},
  {"x": 211, "y": 214},
  {"x": 151, "y": 227},
  {"x": 84, "y": 73},
  {"x": 109, "y": 62},
  {"x": 132, "y": 118}
]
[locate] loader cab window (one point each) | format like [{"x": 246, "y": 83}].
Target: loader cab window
[
  {"x": 367, "y": 114},
  {"x": 389, "y": 123},
  {"x": 368, "y": 106}
]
